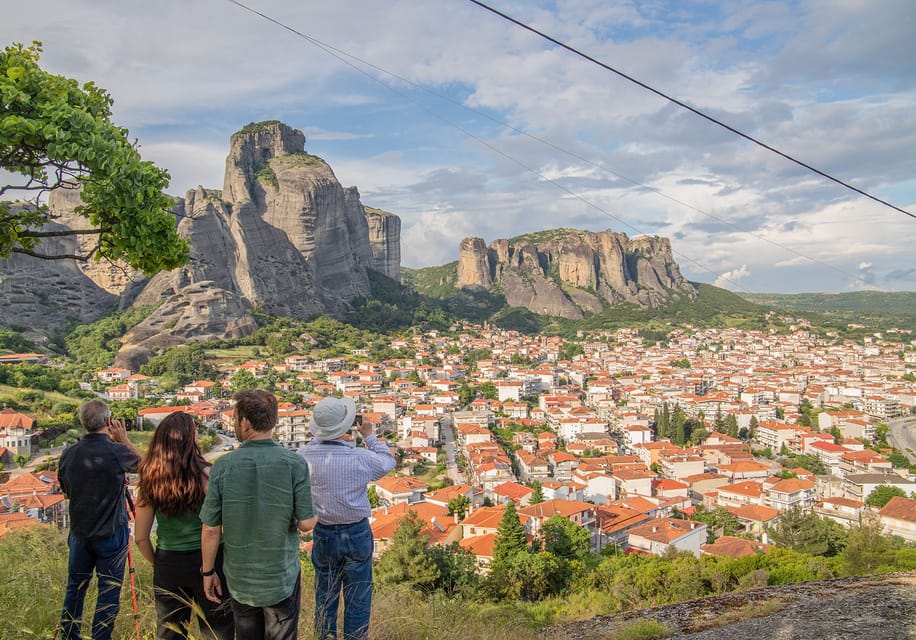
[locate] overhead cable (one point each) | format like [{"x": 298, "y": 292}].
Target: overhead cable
[{"x": 693, "y": 110}]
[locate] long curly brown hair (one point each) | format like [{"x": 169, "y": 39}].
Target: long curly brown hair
[{"x": 173, "y": 477}]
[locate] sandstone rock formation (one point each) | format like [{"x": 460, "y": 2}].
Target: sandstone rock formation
[
  {"x": 113, "y": 276},
  {"x": 282, "y": 236},
  {"x": 44, "y": 294},
  {"x": 384, "y": 242},
  {"x": 474, "y": 264},
  {"x": 568, "y": 273}
]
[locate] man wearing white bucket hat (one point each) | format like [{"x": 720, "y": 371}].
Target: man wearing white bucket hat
[{"x": 342, "y": 539}]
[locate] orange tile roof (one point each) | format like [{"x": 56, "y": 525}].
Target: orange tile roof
[
  {"x": 792, "y": 485},
  {"x": 900, "y": 508},
  {"x": 747, "y": 488},
  {"x": 393, "y": 484},
  {"x": 555, "y": 507},
  {"x": 753, "y": 512},
  {"x": 732, "y": 547},
  {"x": 512, "y": 490},
  {"x": 485, "y": 517},
  {"x": 12, "y": 521},
  {"x": 13, "y": 419},
  {"x": 480, "y": 546},
  {"x": 665, "y": 530}
]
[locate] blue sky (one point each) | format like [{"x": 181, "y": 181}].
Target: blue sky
[{"x": 470, "y": 126}]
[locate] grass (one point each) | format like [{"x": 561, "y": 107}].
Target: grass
[
  {"x": 299, "y": 160},
  {"x": 33, "y": 575},
  {"x": 748, "y": 611},
  {"x": 641, "y": 630},
  {"x": 8, "y": 393},
  {"x": 241, "y": 352}
]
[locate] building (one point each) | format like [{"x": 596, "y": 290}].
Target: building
[
  {"x": 898, "y": 517},
  {"x": 661, "y": 534}
]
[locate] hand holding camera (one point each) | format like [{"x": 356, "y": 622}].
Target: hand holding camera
[
  {"x": 117, "y": 430},
  {"x": 364, "y": 427}
]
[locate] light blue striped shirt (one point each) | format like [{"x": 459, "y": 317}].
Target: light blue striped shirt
[{"x": 339, "y": 475}]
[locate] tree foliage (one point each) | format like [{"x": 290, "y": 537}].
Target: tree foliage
[
  {"x": 510, "y": 537},
  {"x": 407, "y": 561},
  {"x": 55, "y": 134},
  {"x": 882, "y": 494},
  {"x": 808, "y": 533},
  {"x": 183, "y": 364},
  {"x": 537, "y": 493},
  {"x": 565, "y": 539}
]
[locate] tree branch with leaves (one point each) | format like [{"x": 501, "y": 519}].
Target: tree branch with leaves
[{"x": 56, "y": 134}]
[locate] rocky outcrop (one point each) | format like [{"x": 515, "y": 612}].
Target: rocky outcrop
[
  {"x": 875, "y": 606},
  {"x": 44, "y": 294},
  {"x": 116, "y": 276},
  {"x": 384, "y": 242},
  {"x": 282, "y": 236},
  {"x": 568, "y": 273},
  {"x": 474, "y": 264}
]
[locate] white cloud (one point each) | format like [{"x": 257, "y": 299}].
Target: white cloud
[
  {"x": 827, "y": 82},
  {"x": 729, "y": 279}
]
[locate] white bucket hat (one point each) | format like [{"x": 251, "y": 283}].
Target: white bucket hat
[{"x": 332, "y": 417}]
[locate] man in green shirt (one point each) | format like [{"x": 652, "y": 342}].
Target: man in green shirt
[{"x": 260, "y": 499}]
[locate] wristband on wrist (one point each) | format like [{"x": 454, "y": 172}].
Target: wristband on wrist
[{"x": 207, "y": 573}]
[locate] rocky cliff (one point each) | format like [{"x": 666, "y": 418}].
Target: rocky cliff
[
  {"x": 568, "y": 273},
  {"x": 385, "y": 242},
  {"x": 282, "y": 235},
  {"x": 42, "y": 294}
]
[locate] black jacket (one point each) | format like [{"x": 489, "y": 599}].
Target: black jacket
[{"x": 92, "y": 474}]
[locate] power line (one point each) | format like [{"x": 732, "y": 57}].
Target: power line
[
  {"x": 339, "y": 55},
  {"x": 342, "y": 55},
  {"x": 693, "y": 110}
]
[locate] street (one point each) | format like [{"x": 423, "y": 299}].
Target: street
[
  {"x": 451, "y": 450},
  {"x": 903, "y": 436}
]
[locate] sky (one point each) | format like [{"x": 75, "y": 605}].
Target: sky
[{"x": 464, "y": 124}]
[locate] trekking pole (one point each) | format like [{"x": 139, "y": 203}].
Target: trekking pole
[{"x": 130, "y": 567}]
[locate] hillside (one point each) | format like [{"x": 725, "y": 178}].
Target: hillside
[
  {"x": 882, "y": 309},
  {"x": 712, "y": 306}
]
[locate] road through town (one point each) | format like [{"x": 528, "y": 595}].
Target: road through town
[{"x": 902, "y": 435}]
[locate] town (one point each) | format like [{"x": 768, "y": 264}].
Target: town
[{"x": 631, "y": 438}]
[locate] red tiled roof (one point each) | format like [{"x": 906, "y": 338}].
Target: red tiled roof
[{"x": 900, "y": 508}]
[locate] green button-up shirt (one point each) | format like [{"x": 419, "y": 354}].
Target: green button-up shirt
[{"x": 258, "y": 493}]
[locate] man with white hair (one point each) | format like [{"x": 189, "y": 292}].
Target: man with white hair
[
  {"x": 342, "y": 539},
  {"x": 92, "y": 475}
]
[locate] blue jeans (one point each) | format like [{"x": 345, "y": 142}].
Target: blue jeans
[
  {"x": 342, "y": 557},
  {"x": 105, "y": 556}
]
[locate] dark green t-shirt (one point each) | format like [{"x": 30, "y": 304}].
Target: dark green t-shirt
[
  {"x": 178, "y": 533},
  {"x": 258, "y": 493}
]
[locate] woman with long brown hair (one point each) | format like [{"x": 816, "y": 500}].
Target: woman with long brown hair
[{"x": 173, "y": 483}]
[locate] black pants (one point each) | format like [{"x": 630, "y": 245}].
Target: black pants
[
  {"x": 180, "y": 597},
  {"x": 276, "y": 622}
]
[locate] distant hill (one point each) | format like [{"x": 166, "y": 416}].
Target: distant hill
[
  {"x": 711, "y": 306},
  {"x": 881, "y": 309}
]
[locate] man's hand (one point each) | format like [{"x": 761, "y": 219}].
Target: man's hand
[
  {"x": 365, "y": 428},
  {"x": 117, "y": 431},
  {"x": 213, "y": 589}
]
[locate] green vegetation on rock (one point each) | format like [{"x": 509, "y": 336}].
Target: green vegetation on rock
[{"x": 258, "y": 127}]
